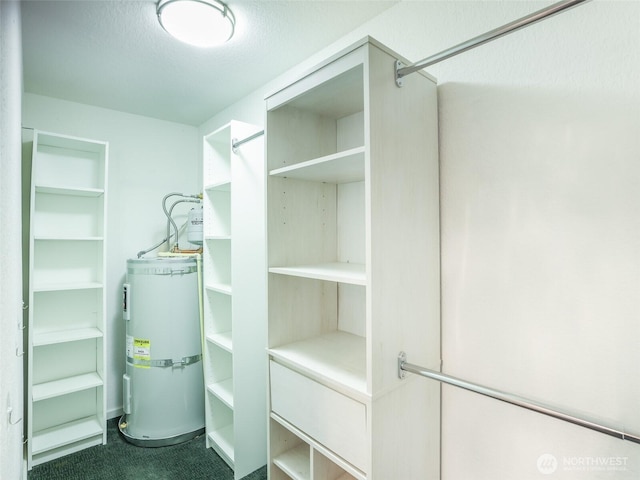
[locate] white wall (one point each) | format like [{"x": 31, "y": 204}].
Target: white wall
[
  {"x": 148, "y": 158},
  {"x": 11, "y": 413},
  {"x": 540, "y": 178}
]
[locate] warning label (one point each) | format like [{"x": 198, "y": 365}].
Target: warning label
[{"x": 139, "y": 349}]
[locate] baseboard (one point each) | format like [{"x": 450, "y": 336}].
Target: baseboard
[{"x": 115, "y": 412}]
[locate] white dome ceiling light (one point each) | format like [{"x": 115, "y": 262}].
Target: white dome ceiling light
[{"x": 203, "y": 23}]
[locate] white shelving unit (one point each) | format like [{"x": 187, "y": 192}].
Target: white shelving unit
[
  {"x": 234, "y": 260},
  {"x": 353, "y": 262},
  {"x": 66, "y": 358}
]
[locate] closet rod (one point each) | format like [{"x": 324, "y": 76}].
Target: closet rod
[
  {"x": 236, "y": 143},
  {"x": 404, "y": 70},
  {"x": 403, "y": 367}
]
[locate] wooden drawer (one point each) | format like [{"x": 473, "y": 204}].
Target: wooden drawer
[{"x": 334, "y": 420}]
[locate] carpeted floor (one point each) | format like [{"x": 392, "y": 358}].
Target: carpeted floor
[{"x": 120, "y": 460}]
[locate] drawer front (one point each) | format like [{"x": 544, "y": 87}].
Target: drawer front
[{"x": 334, "y": 420}]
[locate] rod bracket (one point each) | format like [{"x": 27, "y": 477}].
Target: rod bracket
[
  {"x": 402, "y": 359},
  {"x": 397, "y": 75}
]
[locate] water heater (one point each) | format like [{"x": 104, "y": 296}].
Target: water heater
[{"x": 163, "y": 392}]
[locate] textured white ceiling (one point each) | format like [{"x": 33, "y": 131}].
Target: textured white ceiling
[{"x": 114, "y": 54}]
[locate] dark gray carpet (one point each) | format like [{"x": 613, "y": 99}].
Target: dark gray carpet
[{"x": 120, "y": 460}]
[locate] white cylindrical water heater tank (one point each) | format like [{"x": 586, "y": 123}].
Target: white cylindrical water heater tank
[{"x": 163, "y": 384}]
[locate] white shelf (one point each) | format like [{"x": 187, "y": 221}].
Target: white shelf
[
  {"x": 66, "y": 239},
  {"x": 222, "y": 340},
  {"x": 223, "y": 186},
  {"x": 219, "y": 287},
  {"x": 352, "y": 273},
  {"x": 234, "y": 304},
  {"x": 67, "y": 314},
  {"x": 353, "y": 177},
  {"x": 295, "y": 462},
  {"x": 223, "y": 439},
  {"x": 73, "y": 191},
  {"x": 66, "y": 434},
  {"x": 56, "y": 287},
  {"x": 337, "y": 358},
  {"x": 65, "y": 386},
  {"x": 341, "y": 167},
  {"x": 224, "y": 391},
  {"x": 62, "y": 336}
]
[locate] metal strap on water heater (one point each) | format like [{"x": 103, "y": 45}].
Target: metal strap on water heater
[
  {"x": 168, "y": 362},
  {"x": 163, "y": 270}
]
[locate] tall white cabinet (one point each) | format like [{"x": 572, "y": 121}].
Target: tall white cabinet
[
  {"x": 234, "y": 263},
  {"x": 67, "y": 333},
  {"x": 353, "y": 262}
]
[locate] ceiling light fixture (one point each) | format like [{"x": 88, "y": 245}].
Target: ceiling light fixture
[{"x": 203, "y": 23}]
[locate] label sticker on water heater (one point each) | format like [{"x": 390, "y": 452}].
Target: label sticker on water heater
[{"x": 142, "y": 351}]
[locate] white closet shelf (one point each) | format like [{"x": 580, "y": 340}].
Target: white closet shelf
[
  {"x": 222, "y": 186},
  {"x": 62, "y": 336},
  {"x": 73, "y": 239},
  {"x": 295, "y": 462},
  {"x": 219, "y": 287},
  {"x": 352, "y": 273},
  {"x": 217, "y": 237},
  {"x": 337, "y": 358},
  {"x": 222, "y": 439},
  {"x": 66, "y": 395},
  {"x": 341, "y": 167},
  {"x": 43, "y": 391},
  {"x": 223, "y": 390},
  {"x": 56, "y": 287},
  {"x": 68, "y": 190},
  {"x": 222, "y": 340},
  {"x": 65, "y": 434}
]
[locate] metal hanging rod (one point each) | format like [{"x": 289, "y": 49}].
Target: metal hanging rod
[
  {"x": 403, "y": 367},
  {"x": 236, "y": 143},
  {"x": 404, "y": 70}
]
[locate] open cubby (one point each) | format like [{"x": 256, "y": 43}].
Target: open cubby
[
  {"x": 220, "y": 431},
  {"x": 325, "y": 121},
  {"x": 218, "y": 261},
  {"x": 296, "y": 456},
  {"x": 68, "y": 408},
  {"x": 216, "y": 159},
  {"x": 62, "y": 360},
  {"x": 217, "y": 209},
  {"x": 62, "y": 263},
  {"x": 61, "y": 161},
  {"x": 67, "y": 310},
  {"x": 217, "y": 308},
  {"x": 68, "y": 216},
  {"x": 291, "y": 455}
]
